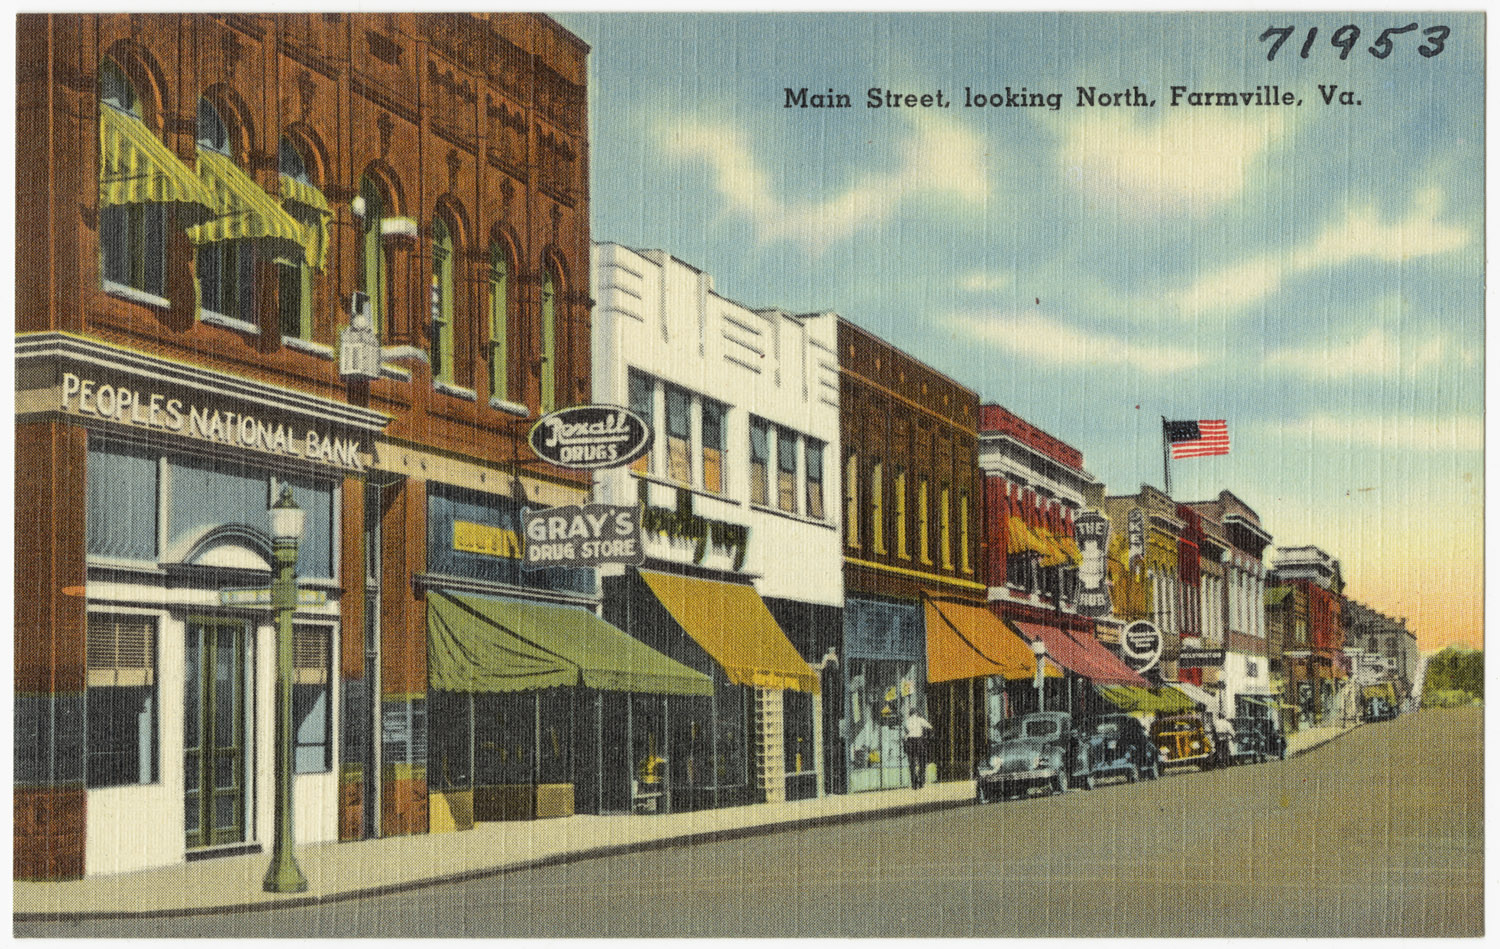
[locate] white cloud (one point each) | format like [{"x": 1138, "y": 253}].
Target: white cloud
[
  {"x": 1411, "y": 433},
  {"x": 1190, "y": 162},
  {"x": 1360, "y": 235},
  {"x": 987, "y": 281},
  {"x": 939, "y": 159},
  {"x": 1377, "y": 353},
  {"x": 1043, "y": 339}
]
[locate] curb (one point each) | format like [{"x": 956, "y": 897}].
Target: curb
[{"x": 560, "y": 859}]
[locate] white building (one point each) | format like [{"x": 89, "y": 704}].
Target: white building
[{"x": 743, "y": 572}]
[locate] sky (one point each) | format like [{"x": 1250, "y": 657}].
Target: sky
[{"x": 1312, "y": 273}]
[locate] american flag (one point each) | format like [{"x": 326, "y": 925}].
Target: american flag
[{"x": 1196, "y": 439}]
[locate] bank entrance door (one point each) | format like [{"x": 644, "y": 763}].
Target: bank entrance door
[{"x": 215, "y": 716}]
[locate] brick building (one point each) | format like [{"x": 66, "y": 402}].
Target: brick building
[
  {"x": 914, "y": 591},
  {"x": 202, "y": 201}
]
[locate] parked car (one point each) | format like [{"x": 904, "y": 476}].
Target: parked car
[
  {"x": 1378, "y": 709},
  {"x": 1119, "y": 745},
  {"x": 1040, "y": 749},
  {"x": 1247, "y": 740},
  {"x": 1183, "y": 738}
]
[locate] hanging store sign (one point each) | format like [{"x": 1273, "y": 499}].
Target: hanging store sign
[
  {"x": 1141, "y": 644},
  {"x": 587, "y": 535},
  {"x": 1137, "y": 536},
  {"x": 1197, "y": 658},
  {"x": 1091, "y": 531},
  {"x": 590, "y": 436}
]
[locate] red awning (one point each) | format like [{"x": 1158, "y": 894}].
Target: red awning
[{"x": 1081, "y": 653}]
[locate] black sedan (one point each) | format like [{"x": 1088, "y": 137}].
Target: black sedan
[{"x": 1120, "y": 746}]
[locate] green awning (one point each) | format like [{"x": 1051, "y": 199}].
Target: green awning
[
  {"x": 1133, "y": 698},
  {"x": 136, "y": 167},
  {"x": 483, "y": 644},
  {"x": 314, "y": 215},
  {"x": 242, "y": 209}
]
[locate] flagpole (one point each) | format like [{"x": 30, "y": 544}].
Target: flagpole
[{"x": 1166, "y": 457}]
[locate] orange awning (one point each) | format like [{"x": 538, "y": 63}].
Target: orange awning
[
  {"x": 734, "y": 626},
  {"x": 967, "y": 641}
]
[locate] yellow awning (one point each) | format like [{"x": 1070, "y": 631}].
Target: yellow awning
[
  {"x": 967, "y": 641},
  {"x": 136, "y": 167},
  {"x": 242, "y": 209},
  {"x": 733, "y": 625},
  {"x": 314, "y": 215}
]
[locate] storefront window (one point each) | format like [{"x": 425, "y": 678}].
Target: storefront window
[
  {"x": 879, "y": 691},
  {"x": 122, "y": 502},
  {"x": 450, "y": 744},
  {"x": 312, "y": 703},
  {"x": 554, "y": 709},
  {"x": 504, "y": 738},
  {"x": 121, "y": 701}
]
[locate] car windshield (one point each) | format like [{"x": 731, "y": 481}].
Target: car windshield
[{"x": 1029, "y": 728}]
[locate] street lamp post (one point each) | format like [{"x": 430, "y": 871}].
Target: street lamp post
[
  {"x": 284, "y": 876},
  {"x": 1039, "y": 649}
]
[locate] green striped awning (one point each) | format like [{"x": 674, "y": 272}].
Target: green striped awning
[
  {"x": 136, "y": 167},
  {"x": 243, "y": 210},
  {"x": 307, "y": 204},
  {"x": 485, "y": 644}
]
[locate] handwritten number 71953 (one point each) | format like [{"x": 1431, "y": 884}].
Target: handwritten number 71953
[{"x": 1346, "y": 37}]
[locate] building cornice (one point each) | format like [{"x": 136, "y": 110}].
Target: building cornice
[{"x": 36, "y": 348}]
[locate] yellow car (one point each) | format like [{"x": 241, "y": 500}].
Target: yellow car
[{"x": 1182, "y": 739}]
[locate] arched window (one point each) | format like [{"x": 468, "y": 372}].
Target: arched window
[
  {"x": 132, "y": 228},
  {"x": 212, "y": 133},
  {"x": 441, "y": 329},
  {"x": 963, "y": 533},
  {"x": 499, "y": 354},
  {"x": 115, "y": 89},
  {"x": 371, "y": 259},
  {"x": 549, "y": 342},
  {"x": 877, "y": 506},
  {"x": 306, "y": 204},
  {"x": 226, "y": 264}
]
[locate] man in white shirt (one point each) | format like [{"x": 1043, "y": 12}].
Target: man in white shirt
[{"x": 914, "y": 741}]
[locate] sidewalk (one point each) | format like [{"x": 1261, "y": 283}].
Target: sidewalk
[
  {"x": 1308, "y": 738},
  {"x": 346, "y": 870},
  {"x": 337, "y": 871}
]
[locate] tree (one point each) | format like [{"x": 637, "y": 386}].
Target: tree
[{"x": 1455, "y": 669}]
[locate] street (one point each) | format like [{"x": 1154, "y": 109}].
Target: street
[{"x": 1377, "y": 834}]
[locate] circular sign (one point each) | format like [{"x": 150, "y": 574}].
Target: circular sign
[
  {"x": 590, "y": 436},
  {"x": 1141, "y": 643}
]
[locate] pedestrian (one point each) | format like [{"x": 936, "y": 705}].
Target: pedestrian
[{"x": 915, "y": 743}]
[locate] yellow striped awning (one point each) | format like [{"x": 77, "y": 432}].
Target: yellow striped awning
[
  {"x": 242, "y": 209},
  {"x": 314, "y": 215},
  {"x": 136, "y": 167}
]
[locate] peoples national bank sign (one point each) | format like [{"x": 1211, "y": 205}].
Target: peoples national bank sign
[{"x": 104, "y": 385}]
